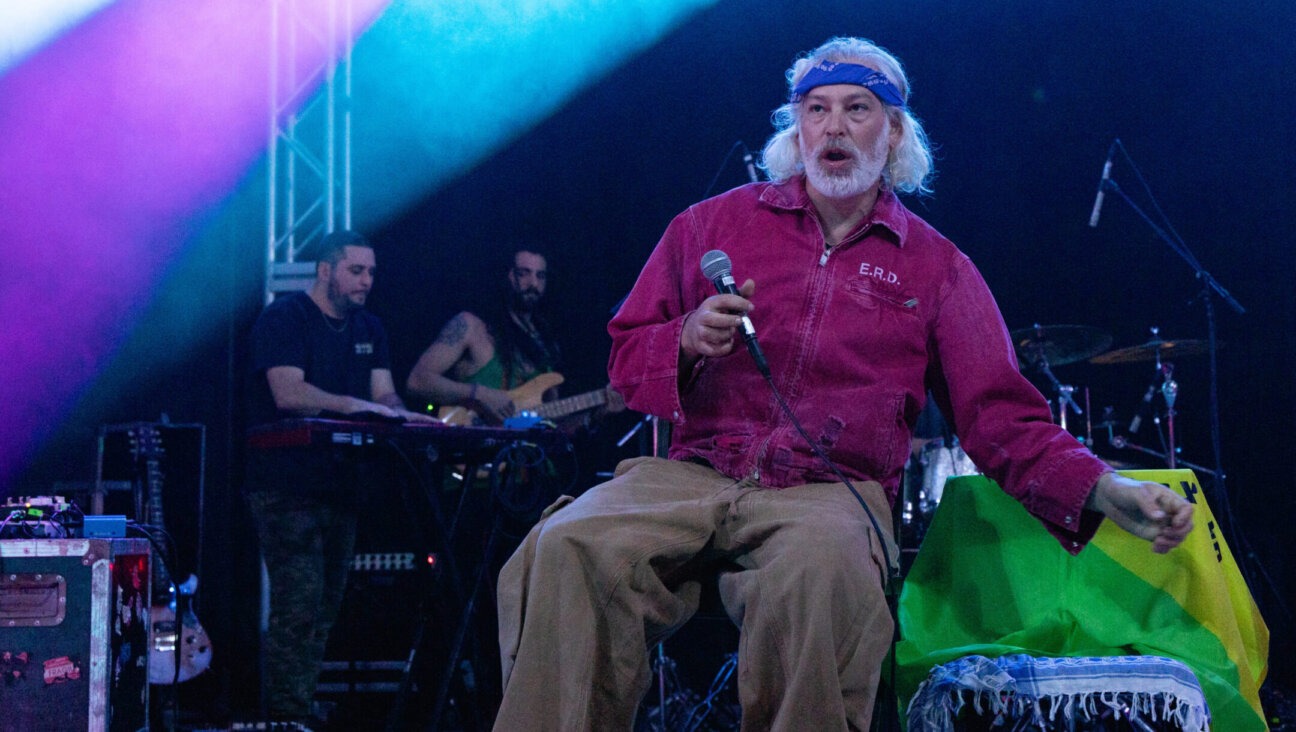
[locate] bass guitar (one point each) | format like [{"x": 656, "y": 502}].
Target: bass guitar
[{"x": 529, "y": 397}]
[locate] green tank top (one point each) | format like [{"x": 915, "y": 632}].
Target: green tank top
[{"x": 490, "y": 375}]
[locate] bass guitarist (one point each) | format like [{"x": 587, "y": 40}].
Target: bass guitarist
[{"x": 475, "y": 361}]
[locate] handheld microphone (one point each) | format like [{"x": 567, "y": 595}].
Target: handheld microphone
[
  {"x": 751, "y": 165},
  {"x": 1102, "y": 187},
  {"x": 717, "y": 268}
]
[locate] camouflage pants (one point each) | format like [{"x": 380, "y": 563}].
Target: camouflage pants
[{"x": 307, "y": 542}]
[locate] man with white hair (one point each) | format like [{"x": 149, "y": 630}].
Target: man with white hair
[{"x": 862, "y": 308}]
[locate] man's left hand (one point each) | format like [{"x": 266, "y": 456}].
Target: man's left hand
[{"x": 1147, "y": 510}]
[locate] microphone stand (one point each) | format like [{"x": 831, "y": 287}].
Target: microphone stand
[{"x": 1209, "y": 285}]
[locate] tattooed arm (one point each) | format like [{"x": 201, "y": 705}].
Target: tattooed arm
[{"x": 463, "y": 346}]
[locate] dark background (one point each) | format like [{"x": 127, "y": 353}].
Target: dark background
[{"x": 1022, "y": 100}]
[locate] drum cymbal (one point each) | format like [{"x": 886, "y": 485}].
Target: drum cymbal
[
  {"x": 1149, "y": 351},
  {"x": 1059, "y": 344}
]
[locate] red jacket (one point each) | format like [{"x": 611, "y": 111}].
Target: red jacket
[{"x": 854, "y": 339}]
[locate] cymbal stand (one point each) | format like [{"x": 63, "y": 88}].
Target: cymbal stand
[
  {"x": 647, "y": 419},
  {"x": 1169, "y": 390},
  {"x": 1064, "y": 391},
  {"x": 1088, "y": 421}
]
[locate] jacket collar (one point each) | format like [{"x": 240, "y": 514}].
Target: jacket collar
[{"x": 888, "y": 212}]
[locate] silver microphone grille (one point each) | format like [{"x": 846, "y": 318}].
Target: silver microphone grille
[{"x": 716, "y": 264}]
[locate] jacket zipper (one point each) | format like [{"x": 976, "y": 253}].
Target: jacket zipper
[{"x": 760, "y": 456}]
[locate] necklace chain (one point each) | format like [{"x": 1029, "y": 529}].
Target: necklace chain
[{"x": 335, "y": 328}]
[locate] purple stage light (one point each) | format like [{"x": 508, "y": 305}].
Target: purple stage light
[{"x": 117, "y": 142}]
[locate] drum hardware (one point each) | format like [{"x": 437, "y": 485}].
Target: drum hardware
[
  {"x": 1210, "y": 289},
  {"x": 1059, "y": 344},
  {"x": 1110, "y": 423},
  {"x": 1043, "y": 346},
  {"x": 1088, "y": 440},
  {"x": 1122, "y": 443},
  {"x": 1137, "y": 421},
  {"x": 941, "y": 462},
  {"x": 1170, "y": 390},
  {"x": 1157, "y": 350},
  {"x": 1154, "y": 349},
  {"x": 1064, "y": 398},
  {"x": 1164, "y": 384},
  {"x": 1064, "y": 395},
  {"x": 930, "y": 465}
]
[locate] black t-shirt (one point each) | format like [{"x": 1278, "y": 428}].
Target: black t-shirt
[{"x": 337, "y": 356}]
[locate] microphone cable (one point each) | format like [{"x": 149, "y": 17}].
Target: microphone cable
[
  {"x": 892, "y": 571},
  {"x": 717, "y": 267}
]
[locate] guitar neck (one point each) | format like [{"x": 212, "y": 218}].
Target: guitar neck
[
  {"x": 154, "y": 483},
  {"x": 570, "y": 405},
  {"x": 146, "y": 446},
  {"x": 156, "y": 518}
]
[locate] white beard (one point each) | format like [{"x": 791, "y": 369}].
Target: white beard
[{"x": 865, "y": 169}]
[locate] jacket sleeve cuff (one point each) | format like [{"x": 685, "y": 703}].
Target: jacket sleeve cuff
[
  {"x": 662, "y": 375},
  {"x": 1060, "y": 507}
]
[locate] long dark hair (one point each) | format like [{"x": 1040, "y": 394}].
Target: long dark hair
[{"x": 513, "y": 343}]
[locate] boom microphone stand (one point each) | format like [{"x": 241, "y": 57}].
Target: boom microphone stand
[
  {"x": 1209, "y": 285},
  {"x": 1210, "y": 288}
]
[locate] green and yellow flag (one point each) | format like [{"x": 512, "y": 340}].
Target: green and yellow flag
[{"x": 990, "y": 580}]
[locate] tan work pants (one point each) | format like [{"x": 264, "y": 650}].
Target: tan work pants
[{"x": 599, "y": 581}]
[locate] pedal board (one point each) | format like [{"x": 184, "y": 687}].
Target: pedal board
[{"x": 39, "y": 517}]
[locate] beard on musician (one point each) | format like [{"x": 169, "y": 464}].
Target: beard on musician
[
  {"x": 350, "y": 277},
  {"x": 841, "y": 169},
  {"x": 526, "y": 281},
  {"x": 833, "y": 265}
]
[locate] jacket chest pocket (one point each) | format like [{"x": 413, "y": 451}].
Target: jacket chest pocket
[
  {"x": 874, "y": 294},
  {"x": 880, "y": 315}
]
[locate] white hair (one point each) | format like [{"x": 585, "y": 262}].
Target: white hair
[{"x": 909, "y": 165}]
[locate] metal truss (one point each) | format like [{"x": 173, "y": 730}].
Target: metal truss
[{"x": 309, "y": 191}]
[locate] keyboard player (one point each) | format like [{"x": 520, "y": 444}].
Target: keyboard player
[{"x": 313, "y": 353}]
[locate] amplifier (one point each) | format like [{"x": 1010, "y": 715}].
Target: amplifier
[{"x": 74, "y": 634}]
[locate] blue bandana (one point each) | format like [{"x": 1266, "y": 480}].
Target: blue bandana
[{"x": 827, "y": 72}]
